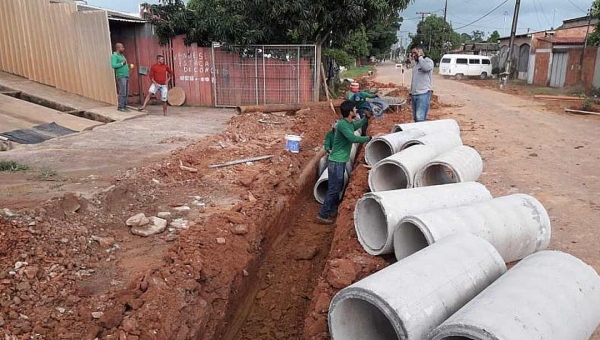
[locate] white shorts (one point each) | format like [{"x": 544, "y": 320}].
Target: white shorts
[{"x": 164, "y": 91}]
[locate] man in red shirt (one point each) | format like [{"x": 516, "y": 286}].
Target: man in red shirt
[{"x": 160, "y": 75}]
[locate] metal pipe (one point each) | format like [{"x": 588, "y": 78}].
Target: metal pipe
[{"x": 284, "y": 107}]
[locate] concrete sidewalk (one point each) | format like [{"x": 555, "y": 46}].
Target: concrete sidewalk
[{"x": 87, "y": 162}]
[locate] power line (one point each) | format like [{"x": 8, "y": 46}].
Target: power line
[
  {"x": 544, "y": 13},
  {"x": 536, "y": 15},
  {"x": 579, "y": 8},
  {"x": 488, "y": 13}
]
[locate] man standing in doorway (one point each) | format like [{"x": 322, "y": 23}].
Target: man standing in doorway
[
  {"x": 119, "y": 64},
  {"x": 160, "y": 75},
  {"x": 343, "y": 139},
  {"x": 420, "y": 87}
]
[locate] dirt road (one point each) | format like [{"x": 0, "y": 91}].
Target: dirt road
[{"x": 528, "y": 149}]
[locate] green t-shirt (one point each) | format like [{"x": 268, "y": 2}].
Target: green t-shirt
[
  {"x": 328, "y": 144},
  {"x": 116, "y": 61},
  {"x": 344, "y": 138},
  {"x": 361, "y": 98}
]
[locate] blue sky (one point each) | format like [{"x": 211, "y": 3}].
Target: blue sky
[{"x": 535, "y": 14}]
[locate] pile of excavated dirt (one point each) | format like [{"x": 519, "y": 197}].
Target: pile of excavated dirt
[
  {"x": 347, "y": 261},
  {"x": 73, "y": 270}
]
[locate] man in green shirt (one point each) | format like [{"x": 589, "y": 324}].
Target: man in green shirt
[
  {"x": 343, "y": 139},
  {"x": 362, "y": 105},
  {"x": 119, "y": 64}
]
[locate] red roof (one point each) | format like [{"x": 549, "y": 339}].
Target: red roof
[{"x": 564, "y": 40}]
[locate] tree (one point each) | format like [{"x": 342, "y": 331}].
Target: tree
[
  {"x": 436, "y": 35},
  {"x": 494, "y": 37},
  {"x": 465, "y": 38},
  {"x": 594, "y": 37},
  {"x": 478, "y": 36}
]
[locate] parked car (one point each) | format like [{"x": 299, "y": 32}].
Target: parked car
[{"x": 465, "y": 65}]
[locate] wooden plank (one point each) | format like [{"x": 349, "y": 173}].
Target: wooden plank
[
  {"x": 547, "y": 97},
  {"x": 582, "y": 112},
  {"x": 241, "y": 161}
]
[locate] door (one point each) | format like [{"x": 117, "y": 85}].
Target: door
[
  {"x": 558, "y": 71},
  {"x": 474, "y": 67}
]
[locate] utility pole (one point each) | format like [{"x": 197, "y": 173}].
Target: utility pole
[
  {"x": 423, "y": 14},
  {"x": 585, "y": 44},
  {"x": 513, "y": 32},
  {"x": 443, "y": 49}
]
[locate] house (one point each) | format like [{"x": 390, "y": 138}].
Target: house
[
  {"x": 554, "y": 57},
  {"x": 67, "y": 44},
  {"x": 478, "y": 48}
]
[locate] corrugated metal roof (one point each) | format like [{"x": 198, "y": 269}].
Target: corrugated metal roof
[{"x": 112, "y": 14}]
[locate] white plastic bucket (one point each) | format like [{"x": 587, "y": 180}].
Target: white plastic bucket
[{"x": 292, "y": 143}]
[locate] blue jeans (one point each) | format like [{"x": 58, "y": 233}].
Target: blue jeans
[
  {"x": 123, "y": 84},
  {"x": 420, "y": 106},
  {"x": 335, "y": 184}
]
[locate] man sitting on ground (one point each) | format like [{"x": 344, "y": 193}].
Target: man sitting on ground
[{"x": 343, "y": 139}]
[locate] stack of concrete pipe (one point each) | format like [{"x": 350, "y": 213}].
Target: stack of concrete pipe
[
  {"x": 430, "y": 155},
  {"x": 459, "y": 289}
]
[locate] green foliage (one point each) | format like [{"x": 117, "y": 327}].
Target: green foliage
[
  {"x": 274, "y": 21},
  {"x": 358, "y": 71},
  {"x": 11, "y": 166},
  {"x": 478, "y": 36},
  {"x": 465, "y": 38},
  {"x": 494, "y": 37},
  {"x": 356, "y": 43},
  {"x": 436, "y": 36},
  {"x": 594, "y": 37},
  {"x": 340, "y": 56}
]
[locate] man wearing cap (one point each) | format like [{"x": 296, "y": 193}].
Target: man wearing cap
[
  {"x": 119, "y": 64},
  {"x": 362, "y": 105},
  {"x": 343, "y": 138},
  {"x": 160, "y": 75}
]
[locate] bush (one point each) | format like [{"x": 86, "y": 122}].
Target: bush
[{"x": 341, "y": 57}]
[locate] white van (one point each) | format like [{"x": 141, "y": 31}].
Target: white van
[{"x": 465, "y": 65}]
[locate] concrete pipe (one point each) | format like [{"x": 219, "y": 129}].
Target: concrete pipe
[
  {"x": 377, "y": 215},
  {"x": 441, "y": 141},
  {"x": 322, "y": 165},
  {"x": 547, "y": 296},
  {"x": 430, "y": 126},
  {"x": 385, "y": 146},
  {"x": 399, "y": 171},
  {"x": 461, "y": 164},
  {"x": 410, "y": 298},
  {"x": 320, "y": 188},
  {"x": 517, "y": 225}
]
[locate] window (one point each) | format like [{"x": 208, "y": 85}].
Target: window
[
  {"x": 446, "y": 61},
  {"x": 486, "y": 62},
  {"x": 475, "y": 61},
  {"x": 461, "y": 61}
]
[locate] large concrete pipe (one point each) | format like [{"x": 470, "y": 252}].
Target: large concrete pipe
[
  {"x": 429, "y": 126},
  {"x": 441, "y": 141},
  {"x": 399, "y": 171},
  {"x": 385, "y": 146},
  {"x": 461, "y": 164},
  {"x": 377, "y": 215},
  {"x": 516, "y": 225},
  {"x": 547, "y": 296},
  {"x": 410, "y": 298},
  {"x": 320, "y": 188}
]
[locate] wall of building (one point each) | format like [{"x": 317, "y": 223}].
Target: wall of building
[
  {"x": 574, "y": 73},
  {"x": 53, "y": 44}
]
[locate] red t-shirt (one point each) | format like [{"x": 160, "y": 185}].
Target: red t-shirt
[{"x": 159, "y": 73}]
